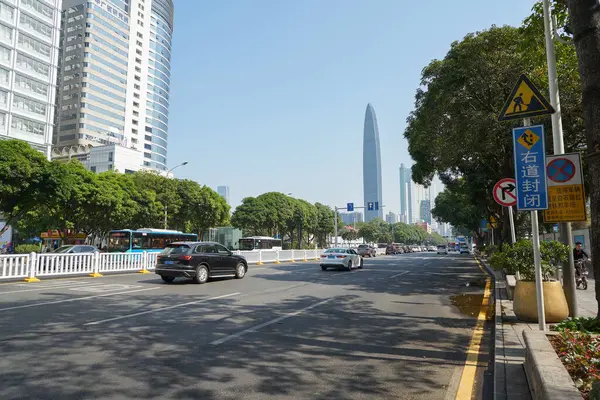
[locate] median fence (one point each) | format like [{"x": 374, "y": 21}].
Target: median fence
[{"x": 32, "y": 267}]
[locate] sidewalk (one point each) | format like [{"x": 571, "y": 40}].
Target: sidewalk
[{"x": 509, "y": 376}]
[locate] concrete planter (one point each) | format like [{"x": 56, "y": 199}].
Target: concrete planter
[
  {"x": 556, "y": 308},
  {"x": 548, "y": 378}
]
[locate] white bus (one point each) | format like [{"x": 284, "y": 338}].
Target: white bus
[{"x": 255, "y": 243}]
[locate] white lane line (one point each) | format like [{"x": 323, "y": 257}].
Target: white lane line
[
  {"x": 39, "y": 288},
  {"x": 398, "y": 274},
  {"x": 160, "y": 309},
  {"x": 75, "y": 299},
  {"x": 273, "y": 321}
]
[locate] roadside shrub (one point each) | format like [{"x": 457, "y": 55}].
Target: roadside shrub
[
  {"x": 580, "y": 354},
  {"x": 580, "y": 324},
  {"x": 519, "y": 257},
  {"x": 27, "y": 248},
  {"x": 491, "y": 249}
]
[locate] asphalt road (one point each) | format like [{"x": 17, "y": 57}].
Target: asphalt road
[{"x": 289, "y": 331}]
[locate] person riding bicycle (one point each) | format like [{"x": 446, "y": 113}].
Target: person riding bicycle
[{"x": 579, "y": 254}]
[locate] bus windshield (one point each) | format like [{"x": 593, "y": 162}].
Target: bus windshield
[{"x": 119, "y": 241}]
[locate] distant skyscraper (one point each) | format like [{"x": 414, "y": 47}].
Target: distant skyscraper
[
  {"x": 425, "y": 209},
  {"x": 406, "y": 207},
  {"x": 372, "y": 165},
  {"x": 351, "y": 218},
  {"x": 391, "y": 218},
  {"x": 224, "y": 192}
]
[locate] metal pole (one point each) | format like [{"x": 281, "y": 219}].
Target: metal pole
[
  {"x": 537, "y": 259},
  {"x": 559, "y": 148},
  {"x": 513, "y": 235},
  {"x": 335, "y": 226},
  {"x": 165, "y": 217}
]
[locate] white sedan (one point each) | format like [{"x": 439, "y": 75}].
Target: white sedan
[{"x": 345, "y": 258}]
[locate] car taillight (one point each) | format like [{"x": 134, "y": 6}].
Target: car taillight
[
  {"x": 341, "y": 256},
  {"x": 185, "y": 258},
  {"x": 323, "y": 256}
]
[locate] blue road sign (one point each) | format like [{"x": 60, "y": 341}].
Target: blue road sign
[
  {"x": 555, "y": 228},
  {"x": 377, "y": 205},
  {"x": 530, "y": 168},
  {"x": 370, "y": 206},
  {"x": 350, "y": 206}
]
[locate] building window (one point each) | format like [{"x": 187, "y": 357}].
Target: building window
[
  {"x": 148, "y": 147},
  {"x": 147, "y": 155},
  {"x": 26, "y": 125},
  {"x": 110, "y": 156},
  {"x": 128, "y": 171},
  {"x": 93, "y": 168},
  {"x": 110, "y": 166}
]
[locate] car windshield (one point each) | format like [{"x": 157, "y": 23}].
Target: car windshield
[
  {"x": 175, "y": 249},
  {"x": 441, "y": 246},
  {"x": 335, "y": 251},
  {"x": 363, "y": 246},
  {"x": 63, "y": 249}
]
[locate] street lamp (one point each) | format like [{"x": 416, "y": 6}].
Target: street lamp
[{"x": 168, "y": 172}]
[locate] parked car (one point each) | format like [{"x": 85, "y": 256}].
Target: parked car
[
  {"x": 431, "y": 248},
  {"x": 345, "y": 258},
  {"x": 442, "y": 249},
  {"x": 76, "y": 248},
  {"x": 393, "y": 249},
  {"x": 199, "y": 261},
  {"x": 364, "y": 250}
]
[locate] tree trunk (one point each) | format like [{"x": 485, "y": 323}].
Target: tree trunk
[{"x": 585, "y": 25}]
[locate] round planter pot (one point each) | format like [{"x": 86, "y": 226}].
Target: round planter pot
[{"x": 556, "y": 308}]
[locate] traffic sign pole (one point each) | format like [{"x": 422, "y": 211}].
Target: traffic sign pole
[
  {"x": 566, "y": 235},
  {"x": 513, "y": 235},
  {"x": 537, "y": 260}
]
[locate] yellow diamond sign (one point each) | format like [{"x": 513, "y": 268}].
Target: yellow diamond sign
[{"x": 528, "y": 139}]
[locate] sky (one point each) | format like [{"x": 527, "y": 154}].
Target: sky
[{"x": 270, "y": 95}]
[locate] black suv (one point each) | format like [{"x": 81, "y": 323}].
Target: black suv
[{"x": 199, "y": 261}]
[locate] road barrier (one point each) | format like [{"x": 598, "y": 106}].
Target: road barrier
[{"x": 33, "y": 266}]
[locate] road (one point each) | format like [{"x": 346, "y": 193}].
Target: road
[{"x": 288, "y": 331}]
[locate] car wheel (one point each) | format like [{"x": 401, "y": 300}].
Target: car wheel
[
  {"x": 201, "y": 274},
  {"x": 349, "y": 265},
  {"x": 167, "y": 279},
  {"x": 324, "y": 268},
  {"x": 240, "y": 271},
  {"x": 361, "y": 263}
]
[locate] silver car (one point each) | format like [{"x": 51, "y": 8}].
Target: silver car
[{"x": 338, "y": 257}]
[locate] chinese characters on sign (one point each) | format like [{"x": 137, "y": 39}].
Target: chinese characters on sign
[
  {"x": 565, "y": 189},
  {"x": 530, "y": 168}
]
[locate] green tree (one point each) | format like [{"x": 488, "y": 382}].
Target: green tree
[
  {"x": 585, "y": 25},
  {"x": 324, "y": 224},
  {"x": 454, "y": 131},
  {"x": 25, "y": 180}
]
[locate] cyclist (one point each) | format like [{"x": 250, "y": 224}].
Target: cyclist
[{"x": 579, "y": 254}]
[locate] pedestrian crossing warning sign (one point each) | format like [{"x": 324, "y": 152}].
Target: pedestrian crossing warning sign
[{"x": 525, "y": 101}]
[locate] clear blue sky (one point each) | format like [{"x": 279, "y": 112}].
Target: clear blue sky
[{"x": 270, "y": 95}]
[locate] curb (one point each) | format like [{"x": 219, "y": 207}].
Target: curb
[
  {"x": 548, "y": 378},
  {"x": 496, "y": 330}
]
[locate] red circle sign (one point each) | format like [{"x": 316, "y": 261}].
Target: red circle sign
[
  {"x": 505, "y": 192},
  {"x": 561, "y": 170}
]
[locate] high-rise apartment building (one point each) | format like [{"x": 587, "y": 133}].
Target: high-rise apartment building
[
  {"x": 372, "y": 166},
  {"x": 391, "y": 218},
  {"x": 223, "y": 191},
  {"x": 351, "y": 218},
  {"x": 29, "y": 41},
  {"x": 114, "y": 80},
  {"x": 425, "y": 211}
]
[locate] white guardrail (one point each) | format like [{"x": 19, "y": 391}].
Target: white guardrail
[{"x": 33, "y": 266}]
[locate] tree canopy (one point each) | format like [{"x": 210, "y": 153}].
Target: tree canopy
[
  {"x": 453, "y": 130},
  {"x": 38, "y": 195}
]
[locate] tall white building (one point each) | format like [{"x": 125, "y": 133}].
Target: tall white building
[
  {"x": 114, "y": 81},
  {"x": 223, "y": 191},
  {"x": 29, "y": 42}
]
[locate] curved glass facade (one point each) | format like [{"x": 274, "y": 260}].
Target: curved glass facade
[{"x": 159, "y": 81}]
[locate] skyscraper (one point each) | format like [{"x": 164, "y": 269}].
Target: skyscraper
[
  {"x": 372, "y": 166},
  {"x": 224, "y": 192},
  {"x": 115, "y": 77},
  {"x": 425, "y": 208},
  {"x": 406, "y": 207},
  {"x": 29, "y": 36}
]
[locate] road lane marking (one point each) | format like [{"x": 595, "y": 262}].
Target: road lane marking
[
  {"x": 103, "y": 288},
  {"x": 271, "y": 322},
  {"x": 160, "y": 309},
  {"x": 398, "y": 274},
  {"x": 75, "y": 299},
  {"x": 40, "y": 288},
  {"x": 467, "y": 380}
]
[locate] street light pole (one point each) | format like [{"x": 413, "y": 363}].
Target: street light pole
[
  {"x": 559, "y": 148},
  {"x": 168, "y": 172}
]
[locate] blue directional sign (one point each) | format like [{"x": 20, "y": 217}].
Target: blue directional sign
[
  {"x": 370, "y": 206},
  {"x": 376, "y": 205},
  {"x": 350, "y": 206},
  {"x": 530, "y": 168}
]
